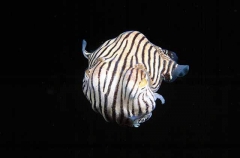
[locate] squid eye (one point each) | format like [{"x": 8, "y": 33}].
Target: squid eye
[{"x": 87, "y": 71}]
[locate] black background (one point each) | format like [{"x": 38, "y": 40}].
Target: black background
[{"x": 45, "y": 114}]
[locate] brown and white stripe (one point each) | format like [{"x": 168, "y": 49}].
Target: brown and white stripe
[{"x": 124, "y": 75}]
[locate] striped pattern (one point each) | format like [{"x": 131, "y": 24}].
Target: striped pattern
[{"x": 123, "y": 77}]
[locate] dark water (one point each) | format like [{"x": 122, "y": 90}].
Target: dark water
[{"x": 45, "y": 114}]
